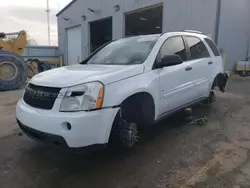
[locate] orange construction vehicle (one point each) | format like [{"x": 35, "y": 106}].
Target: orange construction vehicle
[{"x": 14, "y": 71}]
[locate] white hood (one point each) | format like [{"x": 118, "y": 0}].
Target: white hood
[{"x": 78, "y": 74}]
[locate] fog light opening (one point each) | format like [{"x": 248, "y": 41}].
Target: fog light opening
[{"x": 66, "y": 126}]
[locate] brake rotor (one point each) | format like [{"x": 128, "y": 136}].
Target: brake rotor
[
  {"x": 8, "y": 70},
  {"x": 129, "y": 134}
]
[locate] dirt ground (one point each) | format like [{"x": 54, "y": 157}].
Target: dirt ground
[{"x": 173, "y": 154}]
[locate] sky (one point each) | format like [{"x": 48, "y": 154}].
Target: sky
[{"x": 30, "y": 15}]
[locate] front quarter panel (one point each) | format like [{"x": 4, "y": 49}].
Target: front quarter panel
[{"x": 117, "y": 92}]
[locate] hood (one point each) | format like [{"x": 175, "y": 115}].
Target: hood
[{"x": 78, "y": 74}]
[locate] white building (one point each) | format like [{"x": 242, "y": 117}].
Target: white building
[{"x": 83, "y": 25}]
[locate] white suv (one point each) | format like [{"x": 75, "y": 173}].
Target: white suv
[{"x": 121, "y": 87}]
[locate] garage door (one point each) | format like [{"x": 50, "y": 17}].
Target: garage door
[
  {"x": 144, "y": 22},
  {"x": 74, "y": 41},
  {"x": 98, "y": 38}
]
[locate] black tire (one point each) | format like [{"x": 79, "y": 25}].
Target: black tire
[
  {"x": 20, "y": 71},
  {"x": 44, "y": 67},
  {"x": 41, "y": 65}
]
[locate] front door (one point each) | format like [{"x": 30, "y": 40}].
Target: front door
[{"x": 176, "y": 82}]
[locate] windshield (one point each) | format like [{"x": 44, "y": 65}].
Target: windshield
[{"x": 127, "y": 51}]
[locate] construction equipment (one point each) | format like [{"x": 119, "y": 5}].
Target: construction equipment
[{"x": 14, "y": 71}]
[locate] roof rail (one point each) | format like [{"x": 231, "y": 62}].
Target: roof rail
[{"x": 193, "y": 31}]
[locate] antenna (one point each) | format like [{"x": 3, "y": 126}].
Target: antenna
[{"x": 48, "y": 20}]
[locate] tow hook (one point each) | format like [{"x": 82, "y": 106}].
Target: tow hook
[{"x": 128, "y": 133}]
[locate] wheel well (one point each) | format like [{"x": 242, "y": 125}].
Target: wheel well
[
  {"x": 139, "y": 108},
  {"x": 216, "y": 81},
  {"x": 220, "y": 81}
]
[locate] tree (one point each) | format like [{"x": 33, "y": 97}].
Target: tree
[
  {"x": 11, "y": 39},
  {"x": 30, "y": 40}
]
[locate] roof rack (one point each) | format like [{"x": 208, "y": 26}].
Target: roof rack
[{"x": 193, "y": 31}]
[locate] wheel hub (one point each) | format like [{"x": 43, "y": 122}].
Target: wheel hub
[{"x": 8, "y": 70}]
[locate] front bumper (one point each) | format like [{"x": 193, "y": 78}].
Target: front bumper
[
  {"x": 41, "y": 136},
  {"x": 87, "y": 128}
]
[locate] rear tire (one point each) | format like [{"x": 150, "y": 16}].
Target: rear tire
[{"x": 13, "y": 71}]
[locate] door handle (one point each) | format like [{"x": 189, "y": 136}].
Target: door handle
[
  {"x": 210, "y": 63},
  {"x": 189, "y": 68}
]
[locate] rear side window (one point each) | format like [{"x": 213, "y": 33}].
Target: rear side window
[
  {"x": 197, "y": 48},
  {"x": 213, "y": 47},
  {"x": 174, "y": 45}
]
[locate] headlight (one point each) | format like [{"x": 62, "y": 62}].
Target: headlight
[{"x": 83, "y": 97}]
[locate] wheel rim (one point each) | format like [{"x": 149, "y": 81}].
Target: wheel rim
[{"x": 8, "y": 70}]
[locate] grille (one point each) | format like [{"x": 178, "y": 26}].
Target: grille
[{"x": 41, "y": 97}]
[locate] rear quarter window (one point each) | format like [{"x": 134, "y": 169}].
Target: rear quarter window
[{"x": 213, "y": 47}]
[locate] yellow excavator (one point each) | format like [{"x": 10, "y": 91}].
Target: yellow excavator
[{"x": 14, "y": 71}]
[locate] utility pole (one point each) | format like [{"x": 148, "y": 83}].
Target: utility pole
[
  {"x": 58, "y": 7},
  {"x": 48, "y": 20}
]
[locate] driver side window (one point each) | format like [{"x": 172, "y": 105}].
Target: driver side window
[{"x": 173, "y": 45}]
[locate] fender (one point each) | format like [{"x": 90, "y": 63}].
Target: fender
[{"x": 116, "y": 93}]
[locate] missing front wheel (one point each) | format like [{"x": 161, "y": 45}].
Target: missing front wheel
[{"x": 128, "y": 134}]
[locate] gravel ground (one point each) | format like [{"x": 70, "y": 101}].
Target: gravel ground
[{"x": 173, "y": 154}]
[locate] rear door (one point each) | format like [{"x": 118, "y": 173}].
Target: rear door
[
  {"x": 200, "y": 60},
  {"x": 176, "y": 82},
  {"x": 216, "y": 63}
]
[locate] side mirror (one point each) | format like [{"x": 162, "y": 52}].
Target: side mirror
[{"x": 170, "y": 60}]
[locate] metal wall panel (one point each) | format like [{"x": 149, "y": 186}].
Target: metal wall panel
[
  {"x": 234, "y": 30},
  {"x": 190, "y": 14},
  {"x": 40, "y": 51},
  {"x": 178, "y": 15},
  {"x": 104, "y": 9}
]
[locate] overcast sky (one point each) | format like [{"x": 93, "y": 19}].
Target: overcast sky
[{"x": 30, "y": 15}]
